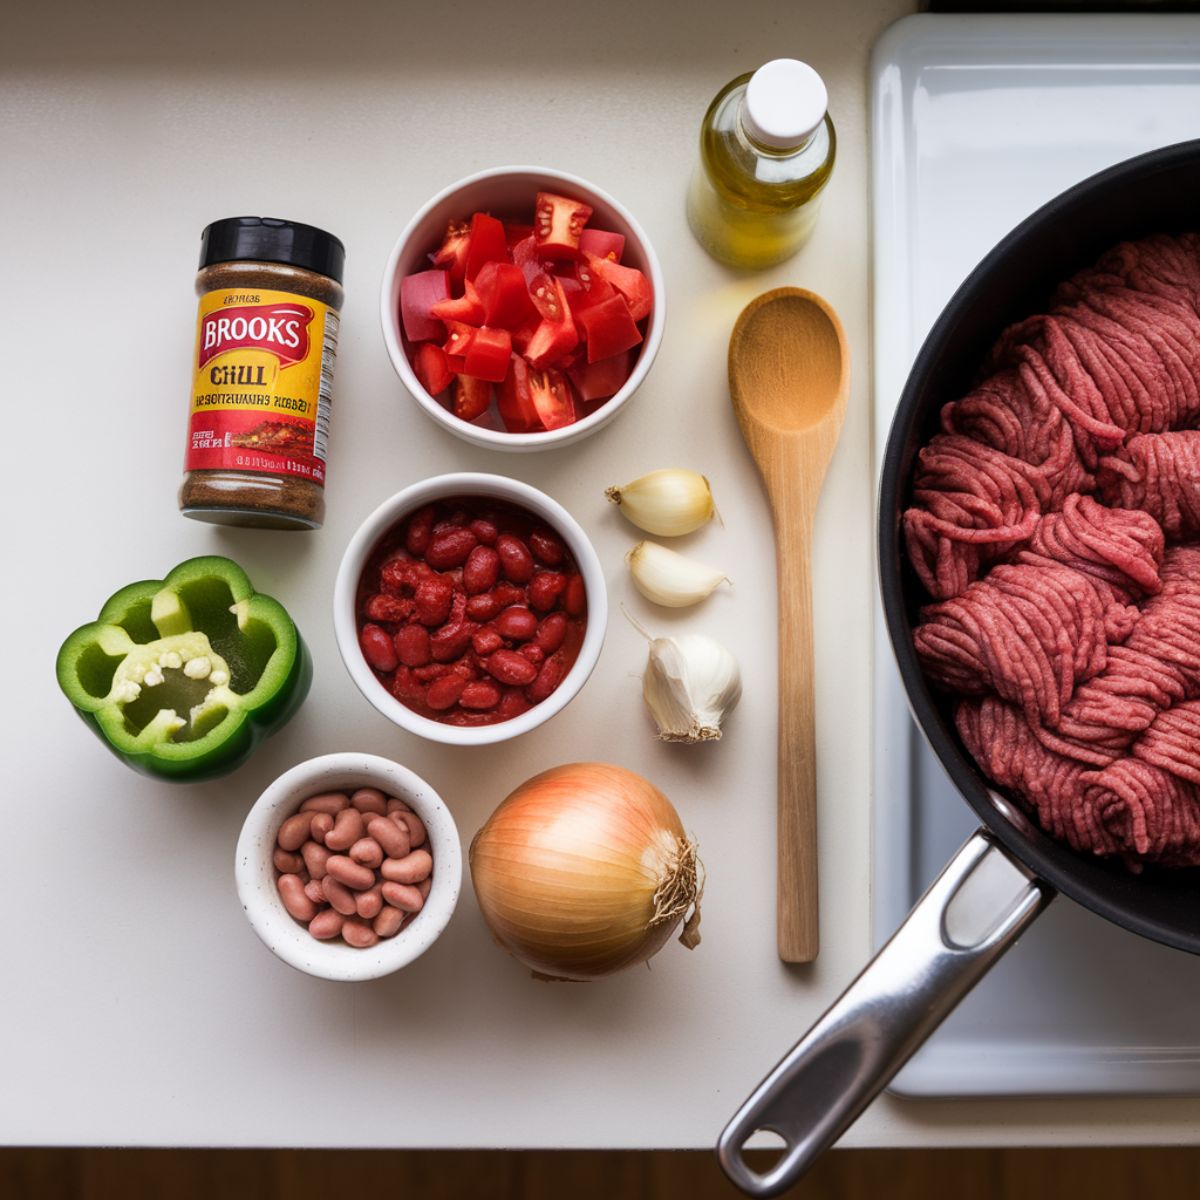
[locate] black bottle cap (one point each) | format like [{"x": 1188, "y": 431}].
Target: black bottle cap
[{"x": 268, "y": 239}]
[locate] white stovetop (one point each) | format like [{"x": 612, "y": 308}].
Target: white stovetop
[{"x": 138, "y": 1007}]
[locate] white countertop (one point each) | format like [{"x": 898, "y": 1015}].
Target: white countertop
[{"x": 139, "y": 1008}]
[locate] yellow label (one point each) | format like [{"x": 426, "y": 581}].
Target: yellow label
[{"x": 261, "y": 391}]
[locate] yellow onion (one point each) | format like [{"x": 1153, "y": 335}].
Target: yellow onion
[{"x": 586, "y": 869}]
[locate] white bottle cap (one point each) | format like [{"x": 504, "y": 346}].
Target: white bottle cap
[{"x": 786, "y": 101}]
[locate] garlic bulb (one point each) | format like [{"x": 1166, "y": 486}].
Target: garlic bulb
[
  {"x": 671, "y": 579},
  {"x": 690, "y": 683},
  {"x": 670, "y": 502}
]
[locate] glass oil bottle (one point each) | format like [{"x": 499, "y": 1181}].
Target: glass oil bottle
[{"x": 767, "y": 148}]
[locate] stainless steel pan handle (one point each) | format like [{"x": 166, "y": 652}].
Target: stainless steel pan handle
[{"x": 851, "y": 1054}]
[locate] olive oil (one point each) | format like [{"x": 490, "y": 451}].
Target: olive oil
[{"x": 767, "y": 148}]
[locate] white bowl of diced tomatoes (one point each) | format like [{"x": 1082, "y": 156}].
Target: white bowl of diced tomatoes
[{"x": 522, "y": 308}]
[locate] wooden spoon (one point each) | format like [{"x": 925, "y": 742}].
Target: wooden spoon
[{"x": 789, "y": 373}]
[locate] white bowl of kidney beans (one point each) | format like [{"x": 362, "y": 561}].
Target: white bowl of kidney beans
[
  {"x": 349, "y": 866},
  {"x": 583, "y": 246},
  {"x": 470, "y": 608}
]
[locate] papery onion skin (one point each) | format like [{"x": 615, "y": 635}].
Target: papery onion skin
[{"x": 566, "y": 870}]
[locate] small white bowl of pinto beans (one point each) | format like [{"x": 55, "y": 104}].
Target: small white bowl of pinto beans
[{"x": 349, "y": 867}]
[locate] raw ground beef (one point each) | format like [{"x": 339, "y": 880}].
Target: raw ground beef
[{"x": 1050, "y": 523}]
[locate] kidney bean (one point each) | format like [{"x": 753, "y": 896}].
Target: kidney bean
[
  {"x": 388, "y": 923},
  {"x": 412, "y": 645},
  {"x": 406, "y": 688},
  {"x": 515, "y": 559},
  {"x": 326, "y": 924},
  {"x": 534, "y": 654},
  {"x": 456, "y": 520},
  {"x": 451, "y": 641},
  {"x": 450, "y": 548},
  {"x": 411, "y": 869},
  {"x": 485, "y": 530},
  {"x": 315, "y": 892},
  {"x": 551, "y": 632},
  {"x": 369, "y": 800},
  {"x": 346, "y": 870},
  {"x": 293, "y": 833},
  {"x": 546, "y": 547},
  {"x": 291, "y": 892},
  {"x": 397, "y": 805},
  {"x": 553, "y": 672},
  {"x": 367, "y": 851},
  {"x": 509, "y": 667},
  {"x": 574, "y": 596},
  {"x": 481, "y": 570},
  {"x": 348, "y": 828},
  {"x": 512, "y": 704},
  {"x": 416, "y": 827},
  {"x": 432, "y": 671},
  {"x": 314, "y": 859},
  {"x": 358, "y": 934},
  {"x": 418, "y": 530},
  {"x": 368, "y": 903},
  {"x": 485, "y": 641},
  {"x": 393, "y": 837},
  {"x": 322, "y": 823},
  {"x": 327, "y": 802},
  {"x": 424, "y": 887},
  {"x": 339, "y": 895},
  {"x": 517, "y": 623},
  {"x": 432, "y": 600},
  {"x": 480, "y": 696},
  {"x": 403, "y": 896},
  {"x": 285, "y": 863},
  {"x": 388, "y": 608},
  {"x": 483, "y": 608},
  {"x": 377, "y": 648},
  {"x": 444, "y": 693},
  {"x": 545, "y": 589}
]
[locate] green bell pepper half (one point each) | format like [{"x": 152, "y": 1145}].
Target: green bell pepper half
[{"x": 182, "y": 677}]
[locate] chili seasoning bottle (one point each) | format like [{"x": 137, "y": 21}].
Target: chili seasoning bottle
[{"x": 266, "y": 339}]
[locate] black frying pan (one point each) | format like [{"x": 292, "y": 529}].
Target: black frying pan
[{"x": 931, "y": 962}]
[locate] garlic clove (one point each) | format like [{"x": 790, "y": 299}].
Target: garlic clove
[
  {"x": 670, "y": 502},
  {"x": 690, "y": 683},
  {"x": 670, "y": 579}
]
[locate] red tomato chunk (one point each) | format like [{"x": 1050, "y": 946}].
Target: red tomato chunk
[
  {"x": 470, "y": 611},
  {"x": 547, "y": 311}
]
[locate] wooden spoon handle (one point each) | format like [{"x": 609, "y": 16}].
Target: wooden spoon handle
[{"x": 796, "y": 899}]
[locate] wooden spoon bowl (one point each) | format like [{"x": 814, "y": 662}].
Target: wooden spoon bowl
[{"x": 789, "y": 376}]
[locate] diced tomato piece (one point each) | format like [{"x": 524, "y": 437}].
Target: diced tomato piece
[
  {"x": 418, "y": 294},
  {"x": 459, "y": 339},
  {"x": 630, "y": 282},
  {"x": 452, "y": 254},
  {"x": 523, "y": 336},
  {"x": 514, "y": 233},
  {"x": 432, "y": 368},
  {"x": 489, "y": 352},
  {"x": 471, "y": 397},
  {"x": 515, "y": 402},
  {"x": 558, "y": 223},
  {"x": 609, "y": 329},
  {"x": 467, "y": 308},
  {"x": 551, "y": 395},
  {"x": 602, "y": 244},
  {"x": 556, "y": 336},
  {"x": 592, "y": 289},
  {"x": 487, "y": 244},
  {"x": 600, "y": 380},
  {"x": 506, "y": 302},
  {"x": 525, "y": 255}
]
